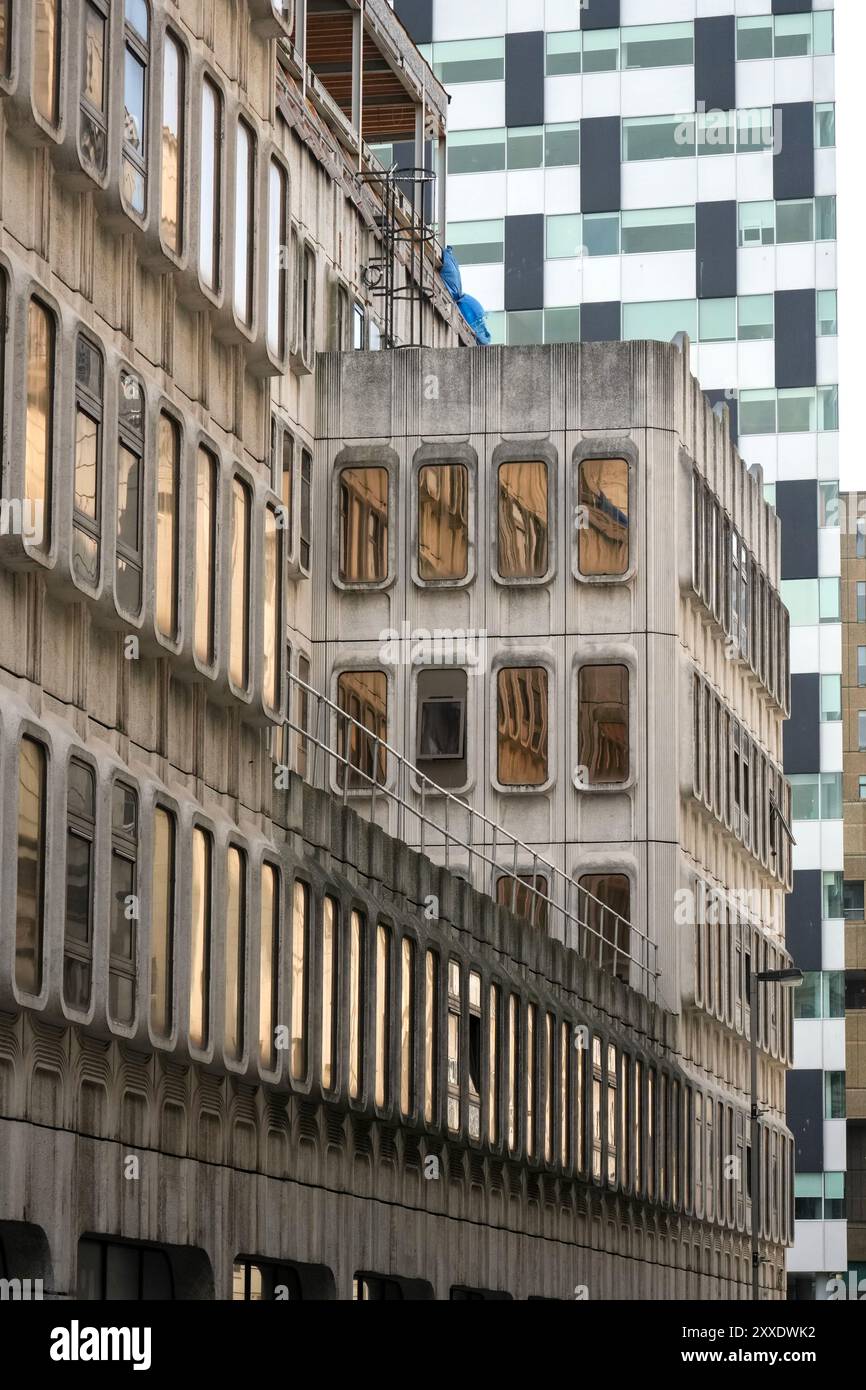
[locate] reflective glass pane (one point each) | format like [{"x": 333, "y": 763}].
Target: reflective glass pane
[
  {"x": 562, "y": 144},
  {"x": 329, "y": 989},
  {"x": 273, "y": 619},
  {"x": 601, "y": 234},
  {"x": 469, "y": 60},
  {"x": 795, "y": 221},
  {"x": 239, "y": 566},
  {"x": 277, "y": 259},
  {"x": 128, "y": 499},
  {"x": 363, "y": 696},
  {"x": 29, "y": 906},
  {"x": 563, "y": 236},
  {"x": 443, "y": 521},
  {"x": 205, "y": 524},
  {"x": 661, "y": 322},
  {"x": 478, "y": 243},
  {"x": 168, "y": 444},
  {"x": 363, "y": 525},
  {"x": 38, "y": 442},
  {"x": 657, "y": 45},
  {"x": 718, "y": 320},
  {"x": 244, "y": 221},
  {"x": 268, "y": 966},
  {"x": 562, "y": 325},
  {"x": 210, "y": 187},
  {"x": 603, "y": 724},
  {"x": 757, "y": 317},
  {"x": 46, "y": 68},
  {"x": 137, "y": 16},
  {"x": 525, "y": 147},
  {"x": 563, "y": 52},
  {"x": 134, "y": 131},
  {"x": 172, "y": 163},
  {"x": 523, "y": 526},
  {"x": 162, "y": 922},
  {"x": 383, "y": 1014},
  {"x": 522, "y": 726},
  {"x": 93, "y": 84},
  {"x": 200, "y": 938},
  {"x": 658, "y": 229},
  {"x": 236, "y": 911},
  {"x": 476, "y": 151},
  {"x": 603, "y": 517},
  {"x": 300, "y": 935}
]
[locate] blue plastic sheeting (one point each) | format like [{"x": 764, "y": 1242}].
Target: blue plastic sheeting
[
  {"x": 451, "y": 273},
  {"x": 472, "y": 311},
  {"x": 475, "y": 314}
]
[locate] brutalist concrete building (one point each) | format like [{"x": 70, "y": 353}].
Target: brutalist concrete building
[
  {"x": 638, "y": 168},
  {"x": 330, "y": 968}
]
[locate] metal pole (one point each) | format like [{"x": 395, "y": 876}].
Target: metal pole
[{"x": 754, "y": 996}]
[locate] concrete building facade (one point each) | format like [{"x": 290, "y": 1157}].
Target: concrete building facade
[
  {"x": 270, "y": 1025},
  {"x": 638, "y": 168}
]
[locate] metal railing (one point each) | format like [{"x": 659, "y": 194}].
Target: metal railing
[{"x": 338, "y": 753}]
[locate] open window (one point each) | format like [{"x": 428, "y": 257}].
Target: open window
[{"x": 441, "y": 726}]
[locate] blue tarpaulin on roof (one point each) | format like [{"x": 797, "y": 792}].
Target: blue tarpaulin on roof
[
  {"x": 473, "y": 312},
  {"x": 451, "y": 273}
]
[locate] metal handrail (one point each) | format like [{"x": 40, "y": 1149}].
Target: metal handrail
[{"x": 591, "y": 928}]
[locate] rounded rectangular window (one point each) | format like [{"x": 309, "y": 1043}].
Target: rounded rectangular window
[
  {"x": 236, "y": 928},
  {"x": 136, "y": 59},
  {"x": 383, "y": 1015},
  {"x": 78, "y": 933},
  {"x": 604, "y": 909},
  {"x": 300, "y": 946},
  {"x": 363, "y": 525},
  {"x": 240, "y": 586},
  {"x": 407, "y": 1025},
  {"x": 46, "y": 58},
  {"x": 86, "y": 495},
  {"x": 171, "y": 201},
  {"x": 273, "y": 588},
  {"x": 30, "y": 901},
  {"x": 130, "y": 454},
  {"x": 603, "y": 519},
  {"x": 93, "y": 129},
  {"x": 168, "y": 462},
  {"x": 363, "y": 697},
  {"x": 277, "y": 258},
  {"x": 522, "y": 726},
  {"x": 523, "y": 521},
  {"x": 356, "y": 1003},
  {"x": 603, "y": 724},
  {"x": 162, "y": 922},
  {"x": 39, "y": 433},
  {"x": 330, "y": 997},
  {"x": 205, "y": 547},
  {"x": 269, "y": 965},
  {"x": 200, "y": 944},
  {"x": 123, "y": 932},
  {"x": 210, "y": 191},
  {"x": 443, "y": 522},
  {"x": 245, "y": 204}
]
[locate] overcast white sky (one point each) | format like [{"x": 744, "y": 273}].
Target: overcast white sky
[{"x": 851, "y": 210}]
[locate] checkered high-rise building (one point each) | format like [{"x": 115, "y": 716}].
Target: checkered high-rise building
[{"x": 641, "y": 168}]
